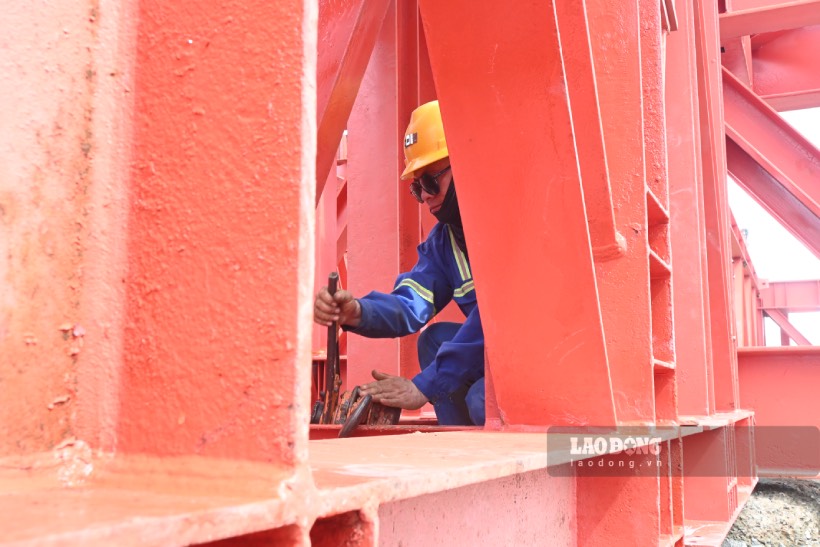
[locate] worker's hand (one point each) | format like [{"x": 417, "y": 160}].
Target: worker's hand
[
  {"x": 394, "y": 391},
  {"x": 341, "y": 307}
]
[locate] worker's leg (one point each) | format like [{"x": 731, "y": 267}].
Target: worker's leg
[
  {"x": 453, "y": 410},
  {"x": 475, "y": 402}
]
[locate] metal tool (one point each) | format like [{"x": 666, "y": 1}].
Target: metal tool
[{"x": 350, "y": 409}]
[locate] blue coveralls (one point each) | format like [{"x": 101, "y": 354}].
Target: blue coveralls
[{"x": 451, "y": 355}]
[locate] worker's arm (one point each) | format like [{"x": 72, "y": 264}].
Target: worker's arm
[
  {"x": 458, "y": 362},
  {"x": 418, "y": 295}
]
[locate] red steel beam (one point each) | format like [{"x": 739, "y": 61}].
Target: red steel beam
[
  {"x": 769, "y": 18},
  {"x": 787, "y": 68},
  {"x": 773, "y": 196},
  {"x": 499, "y": 77},
  {"x": 347, "y": 34},
  {"x": 785, "y": 325},
  {"x": 791, "y": 296},
  {"x": 783, "y": 152}
]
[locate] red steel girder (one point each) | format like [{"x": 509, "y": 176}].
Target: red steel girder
[
  {"x": 791, "y": 296},
  {"x": 583, "y": 92},
  {"x": 785, "y": 325},
  {"x": 771, "y": 142},
  {"x": 500, "y": 78},
  {"x": 347, "y": 34},
  {"x": 787, "y": 15},
  {"x": 787, "y": 68},
  {"x": 773, "y": 196}
]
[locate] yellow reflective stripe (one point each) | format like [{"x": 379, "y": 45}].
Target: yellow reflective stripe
[
  {"x": 418, "y": 289},
  {"x": 461, "y": 260},
  {"x": 464, "y": 289}
]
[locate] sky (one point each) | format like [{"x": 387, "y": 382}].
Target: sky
[{"x": 775, "y": 253}]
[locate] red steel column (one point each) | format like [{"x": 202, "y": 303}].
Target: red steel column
[
  {"x": 374, "y": 196},
  {"x": 65, "y": 83},
  {"x": 498, "y": 79},
  {"x": 220, "y": 241},
  {"x": 415, "y": 88},
  {"x": 687, "y": 230},
  {"x": 347, "y": 32},
  {"x": 716, "y": 208},
  {"x": 623, "y": 283}
]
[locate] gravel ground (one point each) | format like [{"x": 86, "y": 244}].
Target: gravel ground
[{"x": 780, "y": 513}]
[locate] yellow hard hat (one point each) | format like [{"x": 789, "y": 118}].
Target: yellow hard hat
[{"x": 424, "y": 141}]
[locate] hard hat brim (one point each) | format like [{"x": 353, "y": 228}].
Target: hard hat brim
[{"x": 422, "y": 162}]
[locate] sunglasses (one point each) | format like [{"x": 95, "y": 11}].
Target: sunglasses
[{"x": 428, "y": 183}]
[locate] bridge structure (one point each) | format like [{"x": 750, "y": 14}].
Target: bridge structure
[{"x": 179, "y": 178}]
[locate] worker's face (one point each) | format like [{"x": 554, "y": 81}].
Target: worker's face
[{"x": 434, "y": 201}]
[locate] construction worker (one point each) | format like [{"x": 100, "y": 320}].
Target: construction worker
[{"x": 451, "y": 355}]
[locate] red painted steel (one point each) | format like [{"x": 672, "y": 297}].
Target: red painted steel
[
  {"x": 346, "y": 35},
  {"x": 779, "y": 16},
  {"x": 607, "y": 243},
  {"x": 627, "y": 327},
  {"x": 737, "y": 59},
  {"x": 212, "y": 301},
  {"x": 720, "y": 342},
  {"x": 532, "y": 506},
  {"x": 625, "y": 505},
  {"x": 795, "y": 371},
  {"x": 783, "y": 205},
  {"x": 687, "y": 227},
  {"x": 782, "y": 320},
  {"x": 168, "y": 278},
  {"x": 413, "y": 71},
  {"x": 486, "y": 83},
  {"x": 51, "y": 202},
  {"x": 774, "y": 144},
  {"x": 787, "y": 71},
  {"x": 373, "y": 245},
  {"x": 791, "y": 296},
  {"x": 657, "y": 206},
  {"x": 748, "y": 317}
]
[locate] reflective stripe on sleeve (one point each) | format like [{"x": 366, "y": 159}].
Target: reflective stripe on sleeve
[
  {"x": 418, "y": 289},
  {"x": 464, "y": 289}
]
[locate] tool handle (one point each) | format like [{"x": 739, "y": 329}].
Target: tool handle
[
  {"x": 332, "y": 283},
  {"x": 332, "y": 362}
]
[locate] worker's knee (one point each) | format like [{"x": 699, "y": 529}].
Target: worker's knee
[
  {"x": 431, "y": 340},
  {"x": 475, "y": 402}
]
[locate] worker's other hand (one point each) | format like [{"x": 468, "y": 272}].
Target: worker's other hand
[
  {"x": 341, "y": 307},
  {"x": 394, "y": 391}
]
